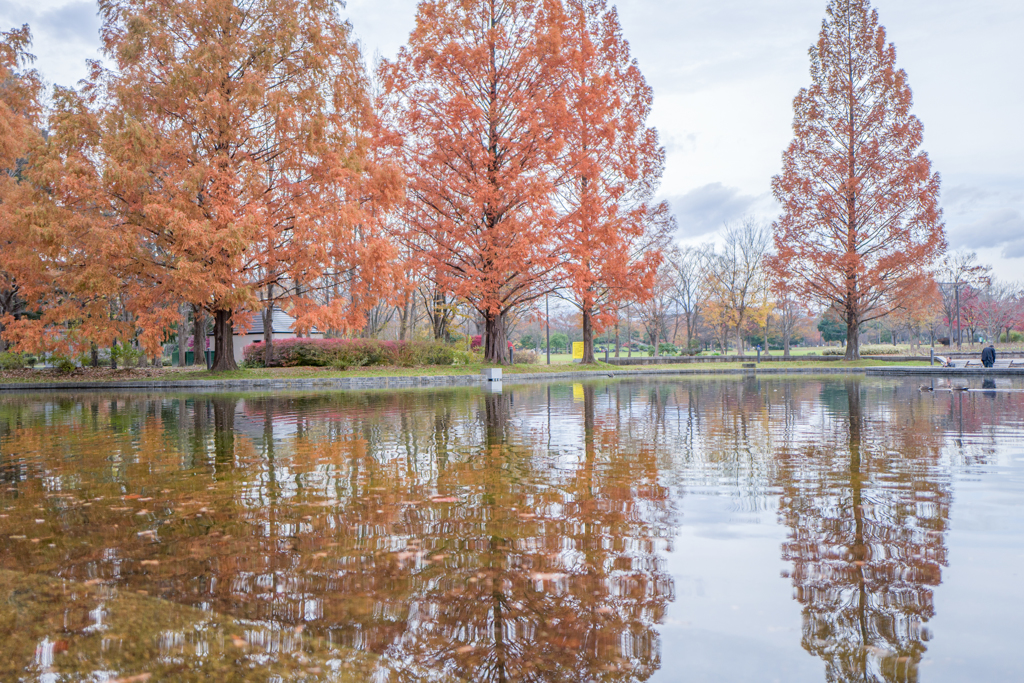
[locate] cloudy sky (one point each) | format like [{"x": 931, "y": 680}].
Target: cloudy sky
[{"x": 724, "y": 75}]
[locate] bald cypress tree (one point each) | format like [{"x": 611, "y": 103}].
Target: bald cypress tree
[{"x": 861, "y": 221}]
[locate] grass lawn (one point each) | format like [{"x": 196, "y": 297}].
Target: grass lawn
[{"x": 564, "y": 365}]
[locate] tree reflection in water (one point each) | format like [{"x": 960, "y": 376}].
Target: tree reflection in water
[
  {"x": 867, "y": 507},
  {"x": 558, "y": 581},
  {"x": 439, "y": 535},
  {"x": 460, "y": 535}
]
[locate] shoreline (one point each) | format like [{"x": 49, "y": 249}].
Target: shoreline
[{"x": 460, "y": 380}]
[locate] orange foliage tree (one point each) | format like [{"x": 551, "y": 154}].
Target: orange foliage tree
[
  {"x": 611, "y": 168},
  {"x": 861, "y": 222},
  {"x": 19, "y": 129},
  {"x": 234, "y": 153},
  {"x": 472, "y": 97},
  {"x": 50, "y": 268}
]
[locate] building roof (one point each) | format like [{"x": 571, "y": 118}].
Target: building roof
[{"x": 282, "y": 323}]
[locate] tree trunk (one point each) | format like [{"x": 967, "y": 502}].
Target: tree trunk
[
  {"x": 852, "y": 340},
  {"x": 182, "y": 335},
  {"x": 94, "y": 353},
  {"x": 616, "y": 335},
  {"x": 437, "y": 317},
  {"x": 113, "y": 355},
  {"x": 785, "y": 343},
  {"x": 495, "y": 339},
  {"x": 403, "y": 321},
  {"x": 588, "y": 337},
  {"x": 198, "y": 336},
  {"x": 268, "y": 328},
  {"x": 412, "y": 318},
  {"x": 223, "y": 343}
]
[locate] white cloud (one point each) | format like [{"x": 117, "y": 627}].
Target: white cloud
[{"x": 706, "y": 209}]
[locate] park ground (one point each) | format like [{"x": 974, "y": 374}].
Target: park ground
[{"x": 559, "y": 363}]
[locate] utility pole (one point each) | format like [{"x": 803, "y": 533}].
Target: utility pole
[{"x": 547, "y": 327}]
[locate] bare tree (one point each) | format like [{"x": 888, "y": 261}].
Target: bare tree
[
  {"x": 690, "y": 287},
  {"x": 789, "y": 315},
  {"x": 654, "y": 311},
  {"x": 997, "y": 307},
  {"x": 737, "y": 275},
  {"x": 958, "y": 269}
]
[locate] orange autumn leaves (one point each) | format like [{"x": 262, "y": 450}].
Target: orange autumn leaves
[
  {"x": 522, "y": 126},
  {"x": 229, "y": 149},
  {"x": 861, "y": 224}
]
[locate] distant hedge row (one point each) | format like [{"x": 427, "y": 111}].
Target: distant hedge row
[
  {"x": 865, "y": 350},
  {"x": 354, "y": 353}
]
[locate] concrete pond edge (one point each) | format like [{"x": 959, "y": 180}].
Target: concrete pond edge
[{"x": 432, "y": 381}]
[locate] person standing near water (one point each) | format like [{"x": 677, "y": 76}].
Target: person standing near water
[{"x": 988, "y": 356}]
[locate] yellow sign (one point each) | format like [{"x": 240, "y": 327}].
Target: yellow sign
[
  {"x": 577, "y": 350},
  {"x": 577, "y": 392}
]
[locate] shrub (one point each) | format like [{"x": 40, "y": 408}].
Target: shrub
[
  {"x": 525, "y": 357},
  {"x": 11, "y": 361},
  {"x": 476, "y": 342},
  {"x": 65, "y": 365},
  {"x": 353, "y": 353},
  {"x": 865, "y": 350},
  {"x": 461, "y": 357},
  {"x": 126, "y": 355},
  {"x": 666, "y": 349}
]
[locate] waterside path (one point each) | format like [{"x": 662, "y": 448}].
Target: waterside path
[{"x": 455, "y": 380}]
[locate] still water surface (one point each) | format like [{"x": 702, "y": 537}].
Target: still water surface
[{"x": 688, "y": 530}]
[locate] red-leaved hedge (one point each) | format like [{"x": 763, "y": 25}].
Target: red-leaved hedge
[{"x": 349, "y": 353}]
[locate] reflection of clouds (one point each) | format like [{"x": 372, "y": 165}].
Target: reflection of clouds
[{"x": 410, "y": 523}]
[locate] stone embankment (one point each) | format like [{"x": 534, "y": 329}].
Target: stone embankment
[{"x": 465, "y": 380}]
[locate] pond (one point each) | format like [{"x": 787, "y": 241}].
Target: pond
[{"x": 698, "y": 529}]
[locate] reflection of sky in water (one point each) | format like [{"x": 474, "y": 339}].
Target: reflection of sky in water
[{"x": 734, "y": 529}]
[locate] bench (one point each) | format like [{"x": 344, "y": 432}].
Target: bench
[{"x": 1006, "y": 363}]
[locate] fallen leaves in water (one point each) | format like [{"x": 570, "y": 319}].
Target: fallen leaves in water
[
  {"x": 137, "y": 678},
  {"x": 444, "y": 499},
  {"x": 547, "y": 576}
]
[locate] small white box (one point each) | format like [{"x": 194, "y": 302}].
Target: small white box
[{"x": 491, "y": 374}]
